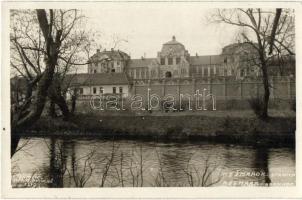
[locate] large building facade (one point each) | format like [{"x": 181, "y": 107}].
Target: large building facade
[
  {"x": 232, "y": 74},
  {"x": 174, "y": 61}
]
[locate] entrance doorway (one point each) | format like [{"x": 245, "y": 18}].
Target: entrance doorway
[{"x": 168, "y": 74}]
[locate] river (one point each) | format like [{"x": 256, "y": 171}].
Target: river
[{"x": 84, "y": 162}]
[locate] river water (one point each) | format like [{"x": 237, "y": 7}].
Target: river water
[{"x": 78, "y": 162}]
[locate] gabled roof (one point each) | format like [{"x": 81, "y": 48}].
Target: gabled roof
[
  {"x": 96, "y": 79},
  {"x": 206, "y": 60},
  {"x": 145, "y": 62}
]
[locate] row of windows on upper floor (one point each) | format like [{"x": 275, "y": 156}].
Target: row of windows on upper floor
[
  {"x": 105, "y": 64},
  {"x": 104, "y": 70},
  {"x": 101, "y": 90},
  {"x": 142, "y": 73},
  {"x": 169, "y": 60}
]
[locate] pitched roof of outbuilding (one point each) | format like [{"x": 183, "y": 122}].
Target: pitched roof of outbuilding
[{"x": 96, "y": 79}]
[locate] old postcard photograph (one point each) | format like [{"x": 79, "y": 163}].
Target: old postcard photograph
[{"x": 150, "y": 99}]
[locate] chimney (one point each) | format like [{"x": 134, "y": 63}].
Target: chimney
[
  {"x": 173, "y": 38},
  {"x": 98, "y": 50},
  {"x": 142, "y": 57},
  {"x": 196, "y": 55},
  {"x": 112, "y": 49}
]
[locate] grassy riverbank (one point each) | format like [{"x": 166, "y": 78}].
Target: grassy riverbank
[{"x": 218, "y": 126}]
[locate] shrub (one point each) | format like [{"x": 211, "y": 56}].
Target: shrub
[{"x": 257, "y": 105}]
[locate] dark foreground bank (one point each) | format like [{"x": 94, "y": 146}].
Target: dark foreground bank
[{"x": 277, "y": 130}]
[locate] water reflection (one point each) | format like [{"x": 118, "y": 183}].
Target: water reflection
[{"x": 54, "y": 162}]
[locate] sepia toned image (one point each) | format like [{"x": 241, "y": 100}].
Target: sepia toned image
[{"x": 152, "y": 96}]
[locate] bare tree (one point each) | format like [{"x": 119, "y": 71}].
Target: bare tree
[
  {"x": 206, "y": 176},
  {"x": 257, "y": 27},
  {"x": 40, "y": 41},
  {"x": 81, "y": 168}
]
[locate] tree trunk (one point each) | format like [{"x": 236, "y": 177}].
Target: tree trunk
[
  {"x": 73, "y": 103},
  {"x": 38, "y": 102},
  {"x": 55, "y": 95},
  {"x": 52, "y": 109},
  {"x": 60, "y": 101},
  {"x": 266, "y": 95},
  {"x": 14, "y": 143}
]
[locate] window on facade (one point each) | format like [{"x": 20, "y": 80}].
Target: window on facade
[
  {"x": 152, "y": 73},
  {"x": 225, "y": 72},
  {"x": 162, "y": 61},
  {"x": 101, "y": 90},
  {"x": 121, "y": 90},
  {"x": 118, "y": 63},
  {"x": 242, "y": 73},
  {"x": 177, "y": 60},
  {"x": 205, "y": 71},
  {"x": 225, "y": 60},
  {"x": 81, "y": 91},
  {"x": 137, "y": 73},
  {"x": 132, "y": 73},
  {"x": 114, "y": 90},
  {"x": 94, "y": 90},
  {"x": 142, "y": 73},
  {"x": 112, "y": 70},
  {"x": 94, "y": 71},
  {"x": 170, "y": 61},
  {"x": 212, "y": 71}
]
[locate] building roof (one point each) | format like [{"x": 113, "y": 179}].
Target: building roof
[
  {"x": 206, "y": 60},
  {"x": 238, "y": 48},
  {"x": 143, "y": 62},
  {"x": 173, "y": 42},
  {"x": 113, "y": 55},
  {"x": 96, "y": 79},
  {"x": 173, "y": 47}
]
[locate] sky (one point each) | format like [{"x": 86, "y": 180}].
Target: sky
[{"x": 145, "y": 27}]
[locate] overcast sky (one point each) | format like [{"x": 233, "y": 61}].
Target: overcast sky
[{"x": 147, "y": 26}]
